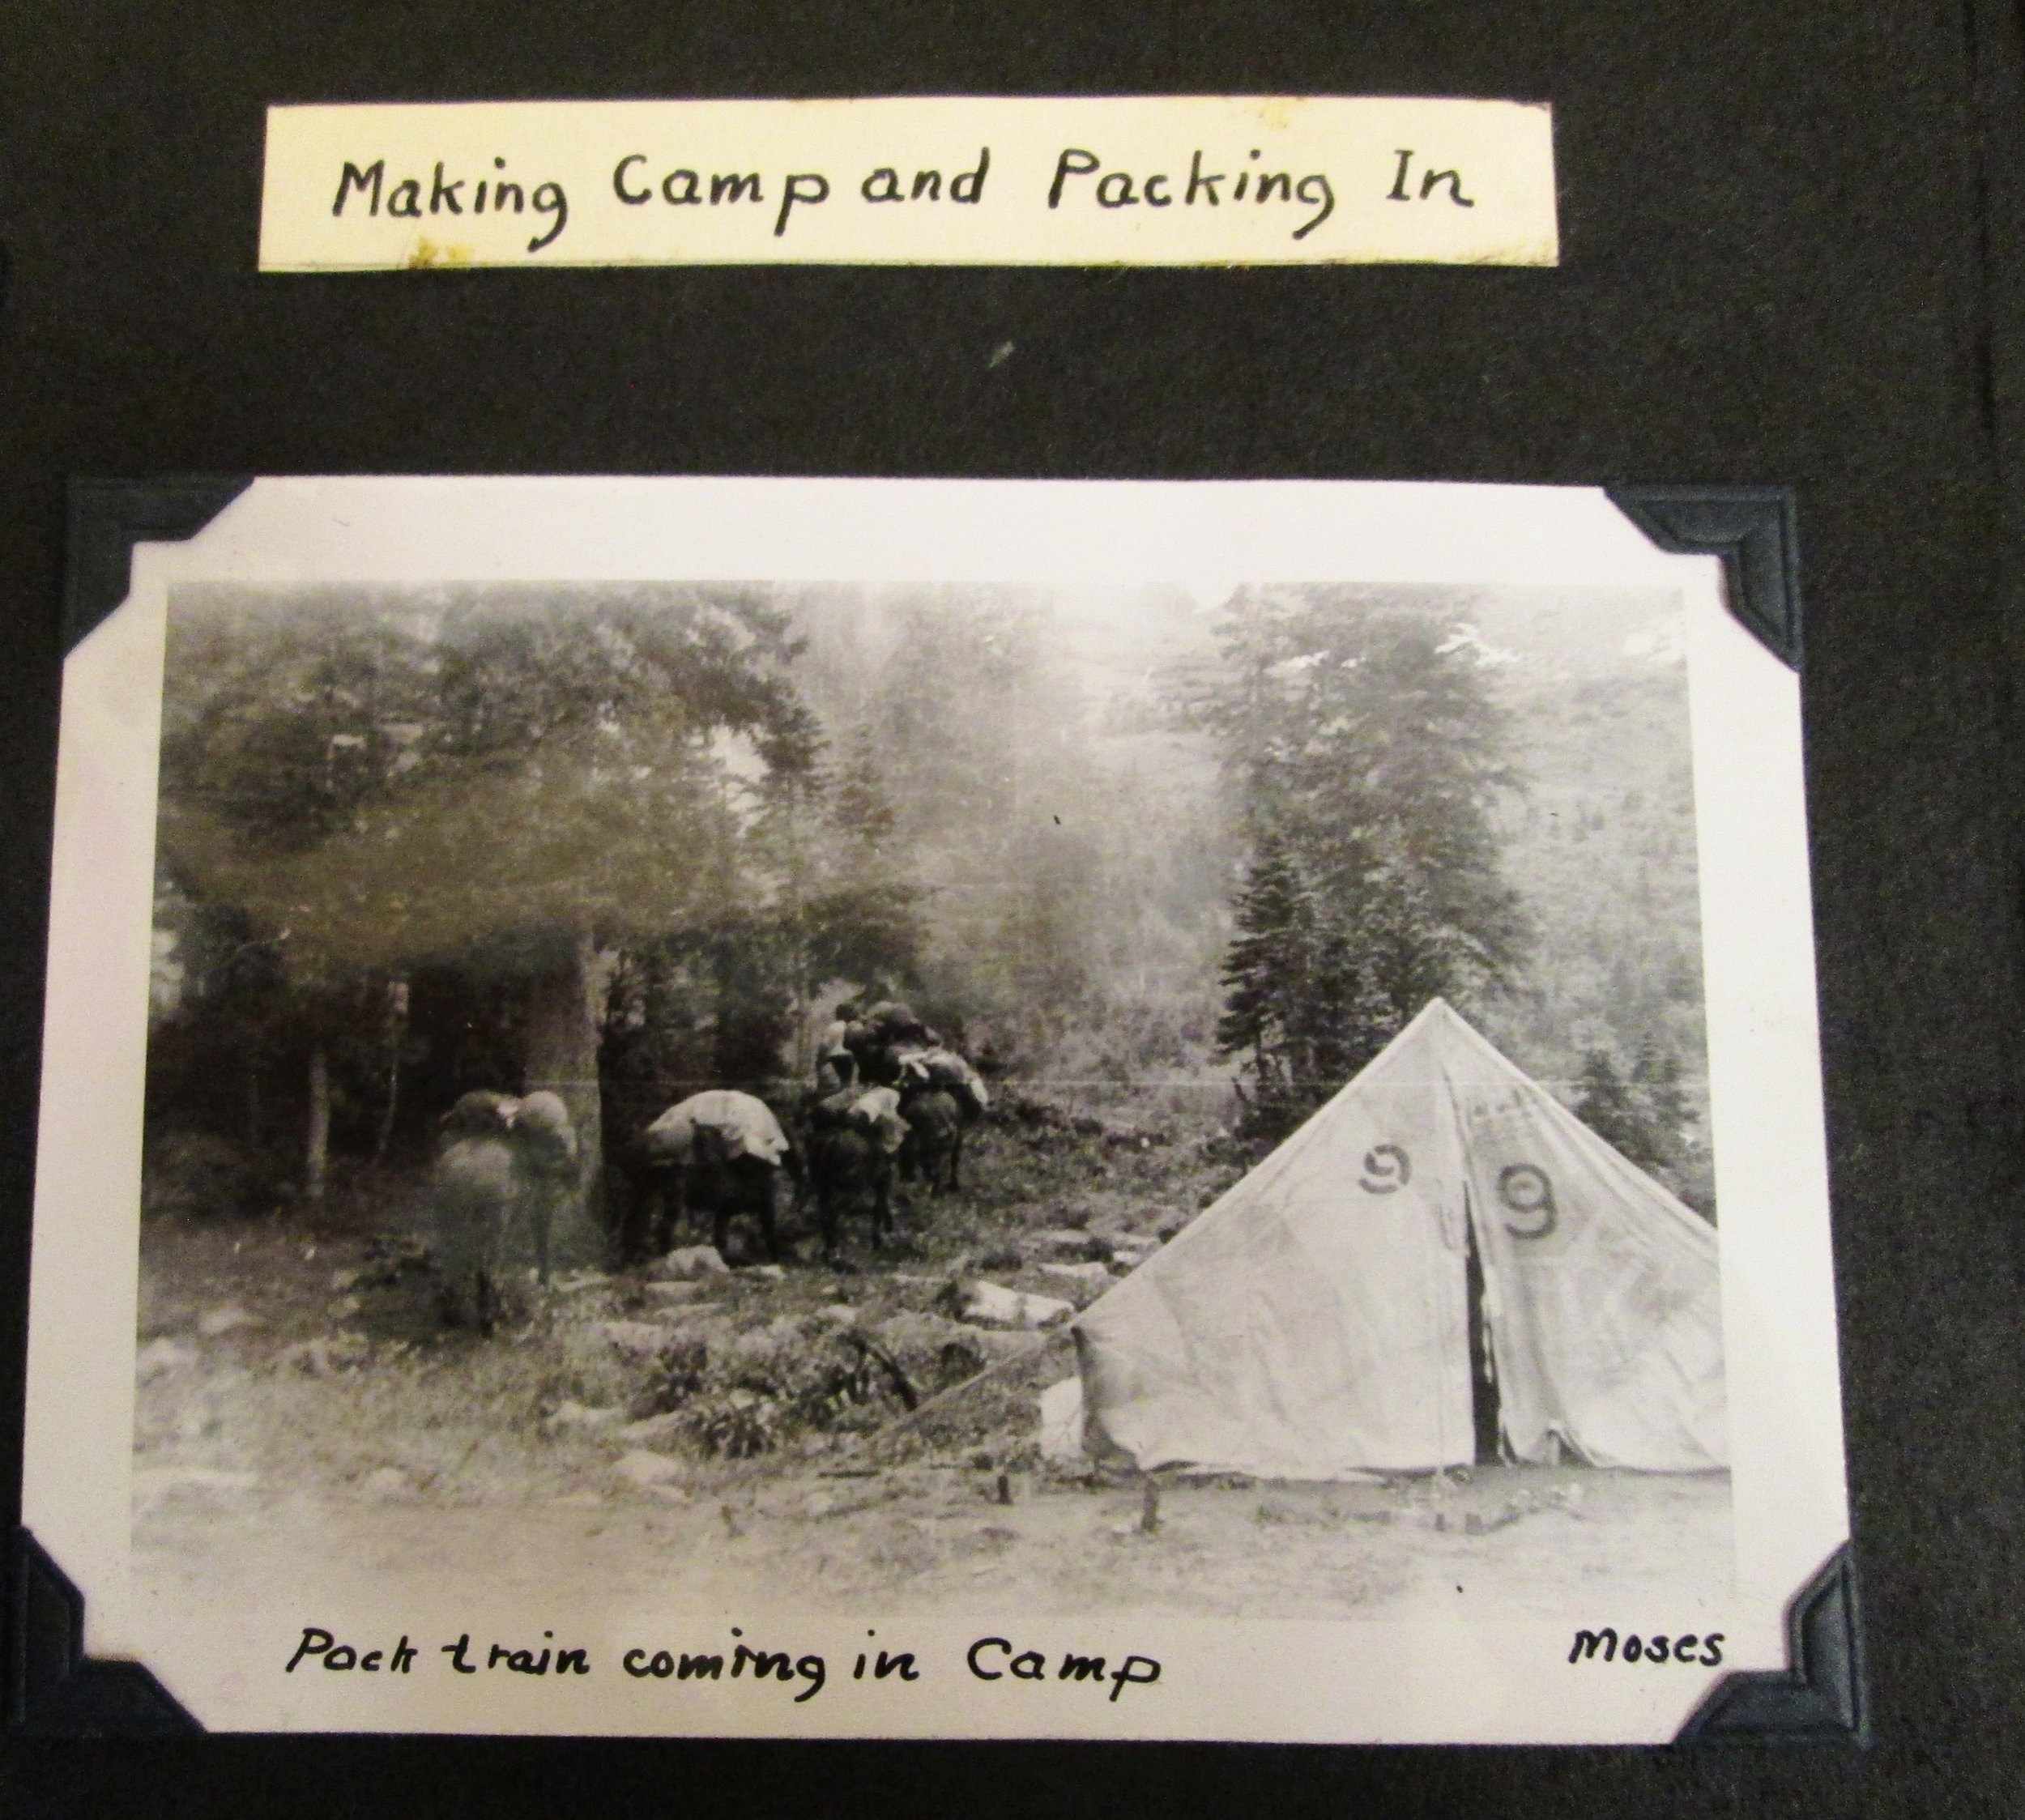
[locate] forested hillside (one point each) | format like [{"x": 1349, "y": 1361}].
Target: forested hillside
[
  {"x": 635, "y": 841},
  {"x": 1072, "y": 852},
  {"x": 1600, "y": 845}
]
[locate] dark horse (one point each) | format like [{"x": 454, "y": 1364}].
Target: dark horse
[
  {"x": 849, "y": 1168},
  {"x": 663, "y": 1193},
  {"x": 934, "y": 1146}
]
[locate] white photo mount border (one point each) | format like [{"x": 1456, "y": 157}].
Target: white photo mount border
[{"x": 54, "y": 1689}]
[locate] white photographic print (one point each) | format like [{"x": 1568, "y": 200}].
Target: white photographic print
[{"x": 907, "y": 1108}]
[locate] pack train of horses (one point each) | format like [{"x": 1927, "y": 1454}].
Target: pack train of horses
[{"x": 892, "y": 1101}]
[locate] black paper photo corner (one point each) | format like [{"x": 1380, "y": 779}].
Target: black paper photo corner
[
  {"x": 108, "y": 518},
  {"x": 1819, "y": 1698},
  {"x": 1752, "y": 529},
  {"x": 53, "y": 1688}
]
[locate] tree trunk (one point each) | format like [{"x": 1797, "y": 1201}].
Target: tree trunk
[
  {"x": 316, "y": 1161},
  {"x": 397, "y": 1002},
  {"x": 565, "y": 1013}
]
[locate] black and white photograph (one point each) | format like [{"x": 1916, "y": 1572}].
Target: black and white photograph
[{"x": 858, "y": 1103}]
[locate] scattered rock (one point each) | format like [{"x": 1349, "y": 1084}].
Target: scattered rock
[
  {"x": 911, "y": 1332},
  {"x": 220, "y": 1321},
  {"x": 1062, "y": 1421},
  {"x": 578, "y": 1280},
  {"x": 1080, "y": 1272},
  {"x": 345, "y": 1307},
  {"x": 836, "y": 1314},
  {"x": 688, "y": 1261},
  {"x": 586, "y": 1418},
  {"x": 671, "y": 1294},
  {"x": 159, "y": 1357},
  {"x": 343, "y": 1279},
  {"x": 996, "y": 1344},
  {"x": 383, "y": 1486},
  {"x": 652, "y": 1431},
  {"x": 767, "y": 1272},
  {"x": 1132, "y": 1250},
  {"x": 321, "y": 1357},
  {"x": 636, "y": 1339},
  {"x": 197, "y": 1423},
  {"x": 391, "y": 1257},
  {"x": 995, "y": 1305},
  {"x": 1065, "y": 1241},
  {"x": 647, "y": 1470}
]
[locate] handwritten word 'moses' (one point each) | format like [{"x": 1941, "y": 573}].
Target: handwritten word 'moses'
[
  {"x": 1119, "y": 189},
  {"x": 1683, "y": 1648}
]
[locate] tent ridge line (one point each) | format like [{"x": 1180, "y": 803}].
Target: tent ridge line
[{"x": 1285, "y": 1153}]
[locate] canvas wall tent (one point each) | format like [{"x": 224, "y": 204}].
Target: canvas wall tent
[{"x": 1317, "y": 1319}]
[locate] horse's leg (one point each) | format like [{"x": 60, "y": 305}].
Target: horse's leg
[
  {"x": 650, "y": 1222},
  {"x": 675, "y": 1209},
  {"x": 955, "y": 1163},
  {"x": 826, "y": 1217},
  {"x": 770, "y": 1232},
  {"x": 639, "y": 1214}
]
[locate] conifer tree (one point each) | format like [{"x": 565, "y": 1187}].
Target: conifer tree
[
  {"x": 1369, "y": 753},
  {"x": 1656, "y": 1080},
  {"x": 1605, "y": 1103}
]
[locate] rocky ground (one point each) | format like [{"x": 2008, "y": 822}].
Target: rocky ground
[{"x": 868, "y": 1434}]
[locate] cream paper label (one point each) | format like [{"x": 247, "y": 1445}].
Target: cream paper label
[{"x": 1163, "y": 181}]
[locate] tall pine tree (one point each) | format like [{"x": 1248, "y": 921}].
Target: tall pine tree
[
  {"x": 1606, "y": 1103},
  {"x": 1369, "y": 753}
]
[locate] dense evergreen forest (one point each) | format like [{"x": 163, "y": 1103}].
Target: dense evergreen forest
[{"x": 1198, "y": 856}]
